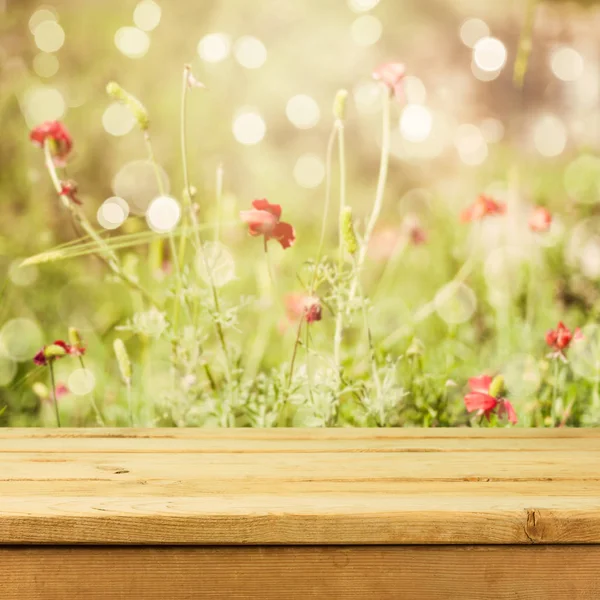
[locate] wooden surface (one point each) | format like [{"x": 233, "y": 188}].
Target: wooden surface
[
  {"x": 342, "y": 486},
  {"x": 302, "y": 573}
]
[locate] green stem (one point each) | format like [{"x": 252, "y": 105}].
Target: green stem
[
  {"x": 54, "y": 399},
  {"x": 194, "y": 220},
  {"x": 129, "y": 403},
  {"x": 106, "y": 253},
  {"x": 379, "y": 193},
  {"x": 219, "y": 201},
  {"x": 99, "y": 418},
  {"x": 525, "y": 45},
  {"x": 157, "y": 245}
]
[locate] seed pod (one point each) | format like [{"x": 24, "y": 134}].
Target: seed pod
[
  {"x": 75, "y": 338},
  {"x": 339, "y": 105},
  {"x": 348, "y": 233},
  {"x": 138, "y": 110},
  {"x": 40, "y": 390},
  {"x": 54, "y": 351},
  {"x": 497, "y": 386},
  {"x": 123, "y": 360}
]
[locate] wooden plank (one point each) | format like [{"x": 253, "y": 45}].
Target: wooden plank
[
  {"x": 267, "y": 490},
  {"x": 264, "y": 444},
  {"x": 301, "y": 573},
  {"x": 289, "y": 467},
  {"x": 290, "y": 433}
]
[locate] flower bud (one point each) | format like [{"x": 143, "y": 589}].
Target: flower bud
[
  {"x": 339, "y": 105},
  {"x": 54, "y": 351},
  {"x": 40, "y": 390},
  {"x": 348, "y": 233},
  {"x": 497, "y": 386},
  {"x": 122, "y": 360},
  {"x": 138, "y": 110},
  {"x": 74, "y": 337}
]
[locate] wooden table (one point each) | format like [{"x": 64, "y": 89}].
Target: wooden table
[{"x": 299, "y": 514}]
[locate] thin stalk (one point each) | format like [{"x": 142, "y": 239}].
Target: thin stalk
[
  {"x": 294, "y": 353},
  {"x": 328, "y": 167},
  {"x": 111, "y": 258},
  {"x": 270, "y": 266},
  {"x": 54, "y": 399},
  {"x": 525, "y": 45},
  {"x": 219, "y": 201},
  {"x": 99, "y": 418},
  {"x": 194, "y": 220},
  {"x": 129, "y": 403},
  {"x": 379, "y": 193},
  {"x": 555, "y": 390},
  {"x": 339, "y": 317},
  {"x": 372, "y": 360},
  {"x": 157, "y": 245}
]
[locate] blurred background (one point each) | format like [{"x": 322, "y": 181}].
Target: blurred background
[{"x": 271, "y": 71}]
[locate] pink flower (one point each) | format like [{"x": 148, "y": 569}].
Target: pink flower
[
  {"x": 391, "y": 74},
  {"x": 61, "y": 390},
  {"x": 560, "y": 338},
  {"x": 68, "y": 189},
  {"x": 384, "y": 243},
  {"x": 303, "y": 306},
  {"x": 540, "y": 219},
  {"x": 412, "y": 230},
  {"x": 484, "y": 206},
  {"x": 263, "y": 219},
  {"x": 59, "y": 137},
  {"x": 480, "y": 401},
  {"x": 56, "y": 350}
]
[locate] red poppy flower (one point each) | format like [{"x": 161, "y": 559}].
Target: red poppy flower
[
  {"x": 263, "y": 219},
  {"x": 484, "y": 206},
  {"x": 415, "y": 234},
  {"x": 480, "y": 401},
  {"x": 68, "y": 189},
  {"x": 57, "y": 349},
  {"x": 59, "y": 137},
  {"x": 61, "y": 390},
  {"x": 303, "y": 306},
  {"x": 540, "y": 219},
  {"x": 391, "y": 74},
  {"x": 560, "y": 338}
]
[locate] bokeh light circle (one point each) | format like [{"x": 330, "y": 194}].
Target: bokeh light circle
[
  {"x": 489, "y": 54},
  {"x": 360, "y": 6},
  {"x": 42, "y": 14},
  {"x": 132, "y": 42},
  {"x": 163, "y": 214},
  {"x": 214, "y": 47},
  {"x": 45, "y": 65},
  {"x": 112, "y": 213},
  {"x": 366, "y": 30},
  {"x": 549, "y": 136},
  {"x": 472, "y": 30},
  {"x": 49, "y": 36},
  {"x": 43, "y": 103},
  {"x": 136, "y": 183},
  {"x": 566, "y": 63},
  {"x": 303, "y": 111},
  {"x": 22, "y": 276},
  {"x": 309, "y": 170},
  {"x": 250, "y": 52},
  {"x": 249, "y": 127},
  {"x": 146, "y": 15},
  {"x": 117, "y": 119},
  {"x": 81, "y": 382},
  {"x": 20, "y": 339},
  {"x": 415, "y": 123},
  {"x": 455, "y": 303},
  {"x": 8, "y": 370}
]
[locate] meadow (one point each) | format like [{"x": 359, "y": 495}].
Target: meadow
[{"x": 356, "y": 215}]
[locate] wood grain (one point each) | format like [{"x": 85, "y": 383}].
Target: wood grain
[
  {"x": 301, "y": 573},
  {"x": 299, "y": 486}
]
